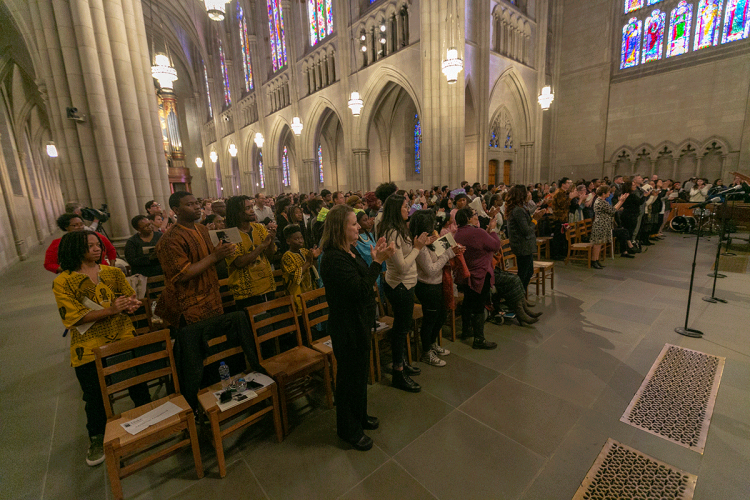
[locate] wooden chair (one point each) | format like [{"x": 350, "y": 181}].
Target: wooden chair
[
  {"x": 227, "y": 296},
  {"x": 543, "y": 243},
  {"x": 155, "y": 285},
  {"x": 266, "y": 402},
  {"x": 291, "y": 369},
  {"x": 458, "y": 298},
  {"x": 547, "y": 270},
  {"x": 379, "y": 335},
  {"x": 576, "y": 249},
  {"x": 140, "y": 319},
  {"x": 278, "y": 279},
  {"x": 315, "y": 312},
  {"x": 509, "y": 263},
  {"x": 119, "y": 445}
]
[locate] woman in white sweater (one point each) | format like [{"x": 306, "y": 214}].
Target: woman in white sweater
[
  {"x": 429, "y": 289},
  {"x": 400, "y": 280}
]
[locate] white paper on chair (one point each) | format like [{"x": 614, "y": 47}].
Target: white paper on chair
[
  {"x": 228, "y": 235},
  {"x": 329, "y": 343},
  {"x": 259, "y": 378},
  {"x": 380, "y": 326},
  {"x": 442, "y": 244},
  {"x": 152, "y": 417}
]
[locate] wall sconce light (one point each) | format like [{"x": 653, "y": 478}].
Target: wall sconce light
[
  {"x": 199, "y": 162},
  {"x": 546, "y": 98}
]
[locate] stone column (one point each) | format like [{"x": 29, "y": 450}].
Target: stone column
[
  {"x": 385, "y": 162},
  {"x": 698, "y": 162},
  {"x": 26, "y": 172},
  {"x": 306, "y": 175},
  {"x": 360, "y": 173},
  {"x": 675, "y": 161},
  {"x": 10, "y": 207}
]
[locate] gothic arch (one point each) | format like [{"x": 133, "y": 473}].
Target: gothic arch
[
  {"x": 518, "y": 96},
  {"x": 721, "y": 143},
  {"x": 618, "y": 153},
  {"x": 319, "y": 112},
  {"x": 378, "y": 81},
  {"x": 273, "y": 141}
]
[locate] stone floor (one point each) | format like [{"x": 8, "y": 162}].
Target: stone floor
[{"x": 524, "y": 421}]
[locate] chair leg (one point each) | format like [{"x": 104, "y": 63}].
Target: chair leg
[
  {"x": 113, "y": 471},
  {"x": 327, "y": 381},
  {"x": 378, "y": 371},
  {"x": 453, "y": 325},
  {"x": 218, "y": 444},
  {"x": 408, "y": 348},
  {"x": 193, "y": 433},
  {"x": 372, "y": 367},
  {"x": 282, "y": 405},
  {"x": 277, "y": 415},
  {"x": 334, "y": 368}
]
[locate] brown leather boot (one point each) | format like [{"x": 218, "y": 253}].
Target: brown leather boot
[{"x": 521, "y": 315}]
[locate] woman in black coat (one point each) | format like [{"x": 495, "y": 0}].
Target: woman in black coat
[
  {"x": 349, "y": 286},
  {"x": 521, "y": 232}
]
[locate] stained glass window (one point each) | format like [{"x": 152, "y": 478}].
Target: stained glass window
[
  {"x": 320, "y": 15},
  {"x": 260, "y": 170},
  {"x": 320, "y": 162},
  {"x": 208, "y": 91},
  {"x": 631, "y": 43},
  {"x": 631, "y": 5},
  {"x": 276, "y": 31},
  {"x": 245, "y": 47},
  {"x": 417, "y": 145},
  {"x": 285, "y": 167},
  {"x": 224, "y": 76},
  {"x": 707, "y": 24},
  {"x": 736, "y": 21},
  {"x": 653, "y": 36},
  {"x": 680, "y": 23}
]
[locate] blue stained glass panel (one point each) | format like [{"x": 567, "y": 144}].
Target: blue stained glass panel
[
  {"x": 417, "y": 145},
  {"x": 260, "y": 170},
  {"x": 736, "y": 21},
  {"x": 208, "y": 91},
  {"x": 277, "y": 39},
  {"x": 285, "y": 166},
  {"x": 680, "y": 23},
  {"x": 224, "y": 76},
  {"x": 320, "y": 162},
  {"x": 320, "y": 19},
  {"x": 631, "y": 43},
  {"x": 653, "y": 36},
  {"x": 652, "y": 2},
  {"x": 707, "y": 24},
  {"x": 245, "y": 49}
]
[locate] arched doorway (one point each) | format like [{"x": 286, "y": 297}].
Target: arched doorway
[
  {"x": 507, "y": 166},
  {"x": 493, "y": 172}
]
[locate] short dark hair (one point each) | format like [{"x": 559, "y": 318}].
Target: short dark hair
[
  {"x": 174, "y": 200},
  {"x": 324, "y": 193},
  {"x": 464, "y": 215},
  {"x": 290, "y": 230},
  {"x": 460, "y": 196},
  {"x": 383, "y": 191},
  {"x": 64, "y": 220},
  {"x": 422, "y": 221},
  {"x": 563, "y": 181},
  {"x": 151, "y": 203},
  {"x": 73, "y": 246},
  {"x": 152, "y": 217},
  {"x": 136, "y": 220}
]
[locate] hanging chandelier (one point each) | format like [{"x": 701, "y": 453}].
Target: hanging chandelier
[
  {"x": 216, "y": 9},
  {"x": 297, "y": 125},
  {"x": 452, "y": 66},
  {"x": 546, "y": 98},
  {"x": 233, "y": 150},
  {"x": 214, "y": 157},
  {"x": 356, "y": 103},
  {"x": 164, "y": 71},
  {"x": 51, "y": 150},
  {"x": 199, "y": 162},
  {"x": 259, "y": 140}
]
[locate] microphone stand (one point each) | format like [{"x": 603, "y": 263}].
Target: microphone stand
[
  {"x": 690, "y": 332},
  {"x": 713, "y": 299}
]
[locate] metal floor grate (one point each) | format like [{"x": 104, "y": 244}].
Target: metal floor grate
[
  {"x": 676, "y": 399},
  {"x": 622, "y": 473}
]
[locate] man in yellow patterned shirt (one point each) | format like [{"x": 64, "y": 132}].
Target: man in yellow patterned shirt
[
  {"x": 250, "y": 272},
  {"x": 296, "y": 264}
]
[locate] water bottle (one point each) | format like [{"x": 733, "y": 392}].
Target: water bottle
[{"x": 224, "y": 375}]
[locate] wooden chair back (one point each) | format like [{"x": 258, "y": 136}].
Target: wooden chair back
[
  {"x": 508, "y": 261},
  {"x": 140, "y": 319},
  {"x": 142, "y": 365},
  {"x": 227, "y": 296},
  {"x": 278, "y": 279},
  {"x": 314, "y": 310},
  {"x": 270, "y": 320},
  {"x": 155, "y": 285}
]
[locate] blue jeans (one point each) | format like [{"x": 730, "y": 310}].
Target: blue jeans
[{"x": 402, "y": 302}]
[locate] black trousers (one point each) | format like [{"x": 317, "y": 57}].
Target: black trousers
[
  {"x": 525, "y": 269},
  {"x": 474, "y": 302},
  {"x": 559, "y": 244},
  {"x": 434, "y": 311},
  {"x": 96, "y": 416},
  {"x": 351, "y": 389},
  {"x": 402, "y": 302},
  {"x": 621, "y": 235}
]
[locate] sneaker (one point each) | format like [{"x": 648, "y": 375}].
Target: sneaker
[
  {"x": 95, "y": 455},
  {"x": 431, "y": 358},
  {"x": 439, "y": 350}
]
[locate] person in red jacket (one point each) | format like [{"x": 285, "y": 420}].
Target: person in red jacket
[{"x": 70, "y": 222}]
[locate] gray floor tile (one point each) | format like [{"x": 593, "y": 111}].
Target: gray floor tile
[
  {"x": 403, "y": 416},
  {"x": 533, "y": 418},
  {"x": 457, "y": 381},
  {"x": 507, "y": 353},
  {"x": 389, "y": 481},
  {"x": 239, "y": 479},
  {"x": 464, "y": 459},
  {"x": 615, "y": 310},
  {"x": 317, "y": 463}
]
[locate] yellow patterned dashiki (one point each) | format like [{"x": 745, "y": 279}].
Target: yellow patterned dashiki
[
  {"x": 70, "y": 291},
  {"x": 257, "y": 277},
  {"x": 295, "y": 281}
]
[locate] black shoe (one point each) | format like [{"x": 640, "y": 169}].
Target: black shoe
[
  {"x": 630, "y": 250},
  {"x": 401, "y": 380},
  {"x": 411, "y": 370},
  {"x": 362, "y": 443},
  {"x": 371, "y": 423},
  {"x": 627, "y": 255},
  {"x": 483, "y": 344},
  {"x": 646, "y": 243},
  {"x": 596, "y": 265}
]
